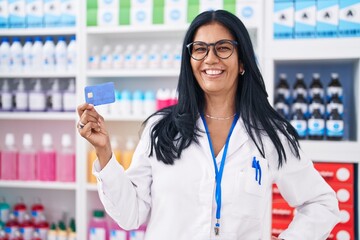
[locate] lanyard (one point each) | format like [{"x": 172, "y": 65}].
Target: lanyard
[{"x": 219, "y": 172}]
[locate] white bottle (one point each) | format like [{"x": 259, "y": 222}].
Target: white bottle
[
  {"x": 5, "y": 97},
  {"x": 149, "y": 103},
  {"x": 37, "y": 98},
  {"x": 141, "y": 57},
  {"x": 129, "y": 56},
  {"x": 54, "y": 97},
  {"x": 105, "y": 57},
  {"x": 71, "y": 54},
  {"x": 166, "y": 60},
  {"x": 28, "y": 55},
  {"x": 49, "y": 54},
  {"x": 60, "y": 55},
  {"x": 137, "y": 103},
  {"x": 94, "y": 58},
  {"x": 118, "y": 57},
  {"x": 21, "y": 97},
  {"x": 177, "y": 57},
  {"x": 69, "y": 97},
  {"x": 125, "y": 104},
  {"x": 154, "y": 57},
  {"x": 5, "y": 58},
  {"x": 16, "y": 53},
  {"x": 37, "y": 54}
]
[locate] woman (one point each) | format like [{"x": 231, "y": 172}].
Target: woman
[{"x": 204, "y": 168}]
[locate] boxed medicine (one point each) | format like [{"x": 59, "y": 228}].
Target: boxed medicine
[
  {"x": 305, "y": 19},
  {"x": 283, "y": 19}
]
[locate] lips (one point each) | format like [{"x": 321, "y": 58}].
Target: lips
[{"x": 213, "y": 71}]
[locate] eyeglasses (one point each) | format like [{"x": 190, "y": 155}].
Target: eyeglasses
[{"x": 223, "y": 49}]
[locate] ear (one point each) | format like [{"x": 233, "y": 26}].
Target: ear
[{"x": 241, "y": 69}]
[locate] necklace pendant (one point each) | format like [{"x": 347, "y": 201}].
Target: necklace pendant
[{"x": 217, "y": 231}]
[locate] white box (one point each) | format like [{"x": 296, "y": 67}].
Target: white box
[
  {"x": 141, "y": 16},
  {"x": 206, "y": 5},
  {"x": 249, "y": 13},
  {"x": 4, "y": 14},
  {"x": 175, "y": 14},
  {"x": 17, "y": 13},
  {"x": 138, "y": 4},
  {"x": 52, "y": 13},
  {"x": 68, "y": 12},
  {"x": 34, "y": 13},
  {"x": 108, "y": 17},
  {"x": 109, "y": 4}
]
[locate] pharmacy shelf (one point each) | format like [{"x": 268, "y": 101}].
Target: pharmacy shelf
[
  {"x": 316, "y": 49},
  {"x": 46, "y": 116},
  {"x": 37, "y": 185},
  {"x": 118, "y": 118},
  {"x": 91, "y": 187},
  {"x": 133, "y": 73},
  {"x": 37, "y": 31},
  {"x": 35, "y": 74}
]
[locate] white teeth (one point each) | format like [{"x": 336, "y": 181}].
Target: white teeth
[{"x": 212, "y": 71}]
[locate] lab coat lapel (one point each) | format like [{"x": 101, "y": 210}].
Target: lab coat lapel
[{"x": 238, "y": 138}]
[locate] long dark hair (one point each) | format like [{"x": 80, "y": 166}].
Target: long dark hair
[{"x": 176, "y": 129}]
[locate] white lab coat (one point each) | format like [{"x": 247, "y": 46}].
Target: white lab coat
[{"x": 177, "y": 201}]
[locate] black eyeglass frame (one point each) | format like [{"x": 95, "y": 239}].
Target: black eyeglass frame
[{"x": 233, "y": 43}]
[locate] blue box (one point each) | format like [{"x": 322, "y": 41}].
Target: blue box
[
  {"x": 283, "y": 19},
  {"x": 349, "y": 24},
  {"x": 327, "y": 18},
  {"x": 305, "y": 19}
]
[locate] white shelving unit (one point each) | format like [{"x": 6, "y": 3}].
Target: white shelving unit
[{"x": 79, "y": 198}]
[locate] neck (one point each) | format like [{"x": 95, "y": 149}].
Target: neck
[{"x": 220, "y": 108}]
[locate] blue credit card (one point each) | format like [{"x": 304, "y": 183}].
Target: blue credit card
[{"x": 100, "y": 94}]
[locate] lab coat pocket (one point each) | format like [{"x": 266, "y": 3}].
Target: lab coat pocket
[{"x": 256, "y": 181}]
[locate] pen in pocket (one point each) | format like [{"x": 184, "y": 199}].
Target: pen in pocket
[{"x": 256, "y": 165}]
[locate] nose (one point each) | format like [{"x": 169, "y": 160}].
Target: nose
[{"x": 211, "y": 56}]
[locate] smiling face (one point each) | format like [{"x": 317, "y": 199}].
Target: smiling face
[{"x": 216, "y": 76}]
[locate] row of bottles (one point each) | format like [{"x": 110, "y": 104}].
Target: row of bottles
[
  {"x": 139, "y": 103},
  {"x": 30, "y": 164},
  {"x": 34, "y": 54},
  {"x": 21, "y": 223},
  {"x": 38, "y": 95},
  {"x": 37, "y": 13},
  {"x": 315, "y": 112},
  {"x": 102, "y": 229},
  {"x": 123, "y": 153},
  {"x": 141, "y": 56}
]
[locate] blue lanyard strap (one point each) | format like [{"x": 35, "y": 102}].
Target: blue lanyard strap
[{"x": 219, "y": 172}]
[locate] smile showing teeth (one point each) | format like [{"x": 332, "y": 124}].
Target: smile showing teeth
[{"x": 213, "y": 72}]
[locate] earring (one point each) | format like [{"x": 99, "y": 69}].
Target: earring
[{"x": 243, "y": 72}]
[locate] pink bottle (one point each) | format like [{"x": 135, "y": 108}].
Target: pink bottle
[
  {"x": 27, "y": 227},
  {"x": 116, "y": 232},
  {"x": 20, "y": 210},
  {"x": 37, "y": 210},
  {"x": 9, "y": 159},
  {"x": 27, "y": 159},
  {"x": 65, "y": 161},
  {"x": 46, "y": 160},
  {"x": 98, "y": 227}
]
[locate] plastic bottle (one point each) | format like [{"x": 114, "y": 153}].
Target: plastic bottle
[
  {"x": 5, "y": 57},
  {"x": 125, "y": 103},
  {"x": 61, "y": 233},
  {"x": 3, "y": 235},
  {"x": 116, "y": 148},
  {"x": 334, "y": 126},
  {"x": 21, "y": 97},
  {"x": 335, "y": 103},
  {"x": 94, "y": 58},
  {"x": 71, "y": 54},
  {"x": 27, "y": 54},
  {"x": 54, "y": 97},
  {"x": 72, "y": 230},
  {"x": 6, "y": 97},
  {"x": 36, "y": 236},
  {"x": 137, "y": 103},
  {"x": 42, "y": 227},
  {"x": 138, "y": 234},
  {"x": 49, "y": 54},
  {"x": 37, "y": 98},
  {"x": 18, "y": 235},
  {"x": 16, "y": 53},
  {"x": 128, "y": 152},
  {"x": 37, "y": 54},
  {"x": 11, "y": 226},
  {"x": 118, "y": 57},
  {"x": 334, "y": 87},
  {"x": 300, "y": 87},
  {"x": 177, "y": 56},
  {"x": 316, "y": 87},
  {"x": 65, "y": 168},
  {"x": 20, "y": 209},
  {"x": 141, "y": 57},
  {"x": 91, "y": 159},
  {"x": 317, "y": 102},
  {"x": 316, "y": 125},
  {"x": 281, "y": 105},
  {"x": 61, "y": 54},
  {"x": 162, "y": 98},
  {"x": 105, "y": 57},
  {"x": 69, "y": 97},
  {"x": 52, "y": 233},
  {"x": 173, "y": 97},
  {"x": 37, "y": 210},
  {"x": 149, "y": 103},
  {"x": 27, "y": 159},
  {"x": 282, "y": 88},
  {"x": 166, "y": 60},
  {"x": 27, "y": 227},
  {"x": 46, "y": 160},
  {"x": 300, "y": 103},
  {"x": 4, "y": 210},
  {"x": 98, "y": 228},
  {"x": 116, "y": 232},
  {"x": 154, "y": 56},
  {"x": 9, "y": 159},
  {"x": 129, "y": 56}
]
